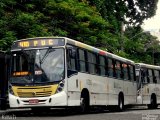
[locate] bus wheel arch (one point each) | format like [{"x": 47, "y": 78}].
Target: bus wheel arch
[
  {"x": 153, "y": 102},
  {"x": 121, "y": 101},
  {"x": 84, "y": 100}
]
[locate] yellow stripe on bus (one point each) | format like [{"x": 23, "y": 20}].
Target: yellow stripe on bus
[{"x": 37, "y": 91}]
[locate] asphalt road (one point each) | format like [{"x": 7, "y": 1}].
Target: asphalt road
[{"x": 140, "y": 113}]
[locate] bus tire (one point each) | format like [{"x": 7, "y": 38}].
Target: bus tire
[
  {"x": 84, "y": 104},
  {"x": 153, "y": 102},
  {"x": 120, "y": 103}
]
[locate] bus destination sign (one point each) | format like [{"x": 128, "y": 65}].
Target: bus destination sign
[{"x": 39, "y": 42}]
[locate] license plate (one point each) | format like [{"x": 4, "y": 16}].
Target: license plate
[{"x": 33, "y": 101}]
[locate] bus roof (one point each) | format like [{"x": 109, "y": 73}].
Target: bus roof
[
  {"x": 99, "y": 51},
  {"x": 148, "y": 66}
]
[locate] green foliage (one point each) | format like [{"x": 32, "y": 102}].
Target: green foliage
[
  {"x": 77, "y": 20},
  {"x": 95, "y": 22},
  {"x": 141, "y": 46},
  {"x": 7, "y": 40},
  {"x": 131, "y": 12}
]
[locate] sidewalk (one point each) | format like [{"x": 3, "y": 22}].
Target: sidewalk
[{"x": 13, "y": 110}]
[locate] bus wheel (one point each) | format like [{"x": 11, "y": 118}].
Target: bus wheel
[
  {"x": 84, "y": 105},
  {"x": 120, "y": 103},
  {"x": 153, "y": 103}
]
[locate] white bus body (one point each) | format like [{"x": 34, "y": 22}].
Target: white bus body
[
  {"x": 92, "y": 77},
  {"x": 148, "y": 84}
]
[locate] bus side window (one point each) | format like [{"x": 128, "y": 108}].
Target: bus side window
[
  {"x": 131, "y": 72},
  {"x": 106, "y": 67},
  {"x": 114, "y": 68},
  {"x": 158, "y": 80},
  {"x": 156, "y": 76},
  {"x": 143, "y": 75},
  {"x": 82, "y": 60},
  {"x": 147, "y": 79},
  {"x": 71, "y": 57},
  {"x": 125, "y": 71},
  {"x": 146, "y": 76},
  {"x": 102, "y": 65},
  {"x": 110, "y": 67},
  {"x": 150, "y": 76},
  {"x": 118, "y": 69},
  {"x": 92, "y": 63}
]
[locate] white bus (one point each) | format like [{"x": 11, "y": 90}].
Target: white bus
[
  {"x": 61, "y": 72},
  {"x": 148, "y": 85}
]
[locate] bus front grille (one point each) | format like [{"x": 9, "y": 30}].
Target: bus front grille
[{"x": 34, "y": 92}]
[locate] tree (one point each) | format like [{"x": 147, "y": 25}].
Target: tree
[
  {"x": 140, "y": 45},
  {"x": 69, "y": 18},
  {"x": 95, "y": 22},
  {"x": 19, "y": 21},
  {"x": 131, "y": 12}
]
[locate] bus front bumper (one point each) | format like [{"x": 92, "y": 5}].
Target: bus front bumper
[{"x": 58, "y": 99}]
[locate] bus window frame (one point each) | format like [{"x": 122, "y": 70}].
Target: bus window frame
[
  {"x": 91, "y": 63},
  {"x": 80, "y": 60},
  {"x": 69, "y": 49},
  {"x": 110, "y": 67},
  {"x": 105, "y": 66},
  {"x": 118, "y": 72}
]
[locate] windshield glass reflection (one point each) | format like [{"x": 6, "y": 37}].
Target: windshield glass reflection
[
  {"x": 49, "y": 65},
  {"x": 37, "y": 66}
]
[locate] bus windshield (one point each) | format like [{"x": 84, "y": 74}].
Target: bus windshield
[{"x": 37, "y": 66}]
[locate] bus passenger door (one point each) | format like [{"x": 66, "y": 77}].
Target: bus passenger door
[
  {"x": 142, "y": 86},
  {"x": 73, "y": 81},
  {"x": 140, "y": 79}
]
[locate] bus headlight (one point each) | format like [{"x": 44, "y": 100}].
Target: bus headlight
[
  {"x": 60, "y": 87},
  {"x": 10, "y": 89}
]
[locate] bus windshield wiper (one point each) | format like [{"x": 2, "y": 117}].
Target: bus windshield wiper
[{"x": 44, "y": 56}]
